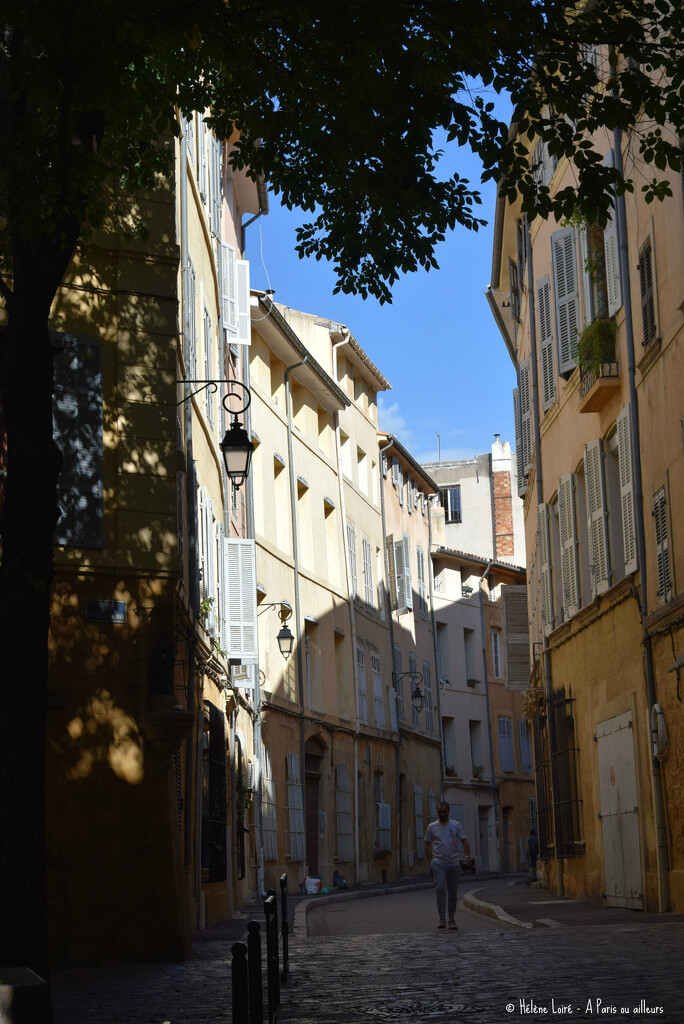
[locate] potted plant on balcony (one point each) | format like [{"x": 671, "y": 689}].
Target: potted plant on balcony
[
  {"x": 478, "y": 772},
  {"x": 596, "y": 347},
  {"x": 450, "y": 770}
]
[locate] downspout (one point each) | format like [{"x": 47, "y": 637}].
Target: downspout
[
  {"x": 352, "y": 618},
  {"x": 251, "y": 534},
  {"x": 298, "y": 608},
  {"x": 400, "y": 816},
  {"x": 546, "y": 654},
  {"x": 663, "y": 857},
  {"x": 495, "y": 788},
  {"x": 193, "y": 580},
  {"x": 436, "y": 657}
]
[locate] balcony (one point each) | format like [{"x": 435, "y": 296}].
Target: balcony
[{"x": 597, "y": 386}]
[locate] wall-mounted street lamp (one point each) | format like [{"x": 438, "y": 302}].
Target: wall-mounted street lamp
[
  {"x": 236, "y": 445},
  {"x": 285, "y": 637},
  {"x": 417, "y": 695}
]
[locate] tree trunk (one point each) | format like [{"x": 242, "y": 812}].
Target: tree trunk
[{"x": 27, "y": 521}]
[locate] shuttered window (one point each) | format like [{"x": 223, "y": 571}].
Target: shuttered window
[
  {"x": 496, "y": 654},
  {"x": 361, "y": 689},
  {"x": 548, "y": 369},
  {"x": 522, "y": 481},
  {"x": 422, "y": 598},
  {"x": 544, "y": 551},
  {"x": 624, "y": 436},
  {"x": 515, "y": 637},
  {"x": 585, "y": 275},
  {"x": 367, "y": 573},
  {"x": 399, "y": 683},
  {"x": 235, "y": 300},
  {"x": 77, "y": 429},
  {"x": 568, "y": 544},
  {"x": 427, "y": 690},
  {"x": 413, "y": 669},
  {"x": 611, "y": 250},
  {"x": 402, "y": 567},
  {"x": 599, "y": 556},
  {"x": 525, "y": 394},
  {"x": 207, "y": 560},
  {"x": 208, "y": 367},
  {"x": 269, "y": 816},
  {"x": 240, "y": 581},
  {"x": 202, "y": 158},
  {"x": 343, "y": 815},
  {"x": 662, "y": 546},
  {"x": 216, "y": 154},
  {"x": 190, "y": 322},
  {"x": 378, "y": 693},
  {"x": 294, "y": 834},
  {"x": 506, "y": 752},
  {"x": 351, "y": 551},
  {"x": 383, "y": 828},
  {"x": 648, "y": 312},
  {"x": 418, "y": 821},
  {"x": 525, "y": 747},
  {"x": 566, "y": 295}
]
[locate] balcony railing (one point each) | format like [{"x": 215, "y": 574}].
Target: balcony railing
[{"x": 596, "y": 386}]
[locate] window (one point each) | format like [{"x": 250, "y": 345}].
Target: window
[
  {"x": 544, "y": 566},
  {"x": 235, "y": 315},
  {"x": 450, "y": 500},
  {"x": 269, "y": 817},
  {"x": 362, "y": 470},
  {"x": 506, "y": 753},
  {"x": 427, "y": 690},
  {"x": 401, "y": 557},
  {"x": 207, "y": 559},
  {"x": 662, "y": 546},
  {"x": 77, "y": 421},
  {"x": 566, "y": 296},
  {"x": 410, "y": 495},
  {"x": 422, "y": 600},
  {"x": 525, "y": 415},
  {"x": 568, "y": 545},
  {"x": 564, "y": 758},
  {"x": 418, "y": 820},
  {"x": 599, "y": 555},
  {"x": 190, "y": 324},
  {"x": 343, "y": 815},
  {"x": 548, "y": 369},
  {"x": 367, "y": 572},
  {"x": 514, "y": 286},
  {"x": 208, "y": 367},
  {"x": 413, "y": 669},
  {"x": 378, "y": 694},
  {"x": 215, "y": 167},
  {"x": 345, "y": 454},
  {"x": 525, "y": 748},
  {"x": 295, "y": 840},
  {"x": 399, "y": 683},
  {"x": 351, "y": 551},
  {"x": 383, "y": 819},
  {"x": 214, "y": 846},
  {"x": 361, "y": 684},
  {"x": 647, "y": 291},
  {"x": 240, "y": 599},
  {"x": 496, "y": 653}
]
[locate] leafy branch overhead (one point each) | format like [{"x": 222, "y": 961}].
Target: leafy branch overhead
[{"x": 339, "y": 105}]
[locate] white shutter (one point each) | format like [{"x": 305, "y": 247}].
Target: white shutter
[
  {"x": 525, "y": 393},
  {"x": 240, "y": 572},
  {"x": 624, "y": 437},
  {"x": 407, "y": 571},
  {"x": 566, "y": 297},
  {"x": 215, "y": 186},
  {"x": 202, "y": 530},
  {"x": 351, "y": 550},
  {"x": 396, "y": 473},
  {"x": 522, "y": 482},
  {"x": 210, "y": 591},
  {"x": 400, "y": 576},
  {"x": 611, "y": 246},
  {"x": 202, "y": 157},
  {"x": 361, "y": 690},
  {"x": 222, "y": 590},
  {"x": 662, "y": 546},
  {"x": 596, "y": 517},
  {"x": 244, "y": 324},
  {"x": 422, "y": 600},
  {"x": 228, "y": 292},
  {"x": 568, "y": 543},
  {"x": 544, "y": 548},
  {"x": 585, "y": 275},
  {"x": 378, "y": 693},
  {"x": 546, "y": 343}
]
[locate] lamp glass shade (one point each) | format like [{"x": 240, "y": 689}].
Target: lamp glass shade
[
  {"x": 285, "y": 641},
  {"x": 418, "y": 699},
  {"x": 237, "y": 451}
]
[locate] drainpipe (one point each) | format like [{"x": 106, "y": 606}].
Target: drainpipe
[
  {"x": 298, "y": 607},
  {"x": 352, "y": 617},
  {"x": 400, "y": 816},
  {"x": 546, "y": 654},
  {"x": 663, "y": 857},
  {"x": 435, "y": 653},
  {"x": 495, "y": 791},
  {"x": 193, "y": 588}
]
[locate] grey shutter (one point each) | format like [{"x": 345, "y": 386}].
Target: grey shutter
[
  {"x": 566, "y": 297},
  {"x": 190, "y": 322},
  {"x": 525, "y": 393},
  {"x": 546, "y": 343},
  {"x": 77, "y": 431},
  {"x": 202, "y": 158},
  {"x": 515, "y": 637},
  {"x": 400, "y": 576},
  {"x": 585, "y": 275},
  {"x": 394, "y": 601},
  {"x": 215, "y": 185},
  {"x": 648, "y": 317},
  {"x": 662, "y": 546},
  {"x": 596, "y": 517},
  {"x": 407, "y": 571},
  {"x": 611, "y": 249},
  {"x": 624, "y": 436},
  {"x": 568, "y": 544},
  {"x": 506, "y": 753},
  {"x": 522, "y": 482},
  {"x": 544, "y": 548}
]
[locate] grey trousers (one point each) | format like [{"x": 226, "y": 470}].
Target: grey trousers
[{"x": 446, "y": 882}]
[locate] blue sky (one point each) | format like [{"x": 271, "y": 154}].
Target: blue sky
[{"x": 437, "y": 343}]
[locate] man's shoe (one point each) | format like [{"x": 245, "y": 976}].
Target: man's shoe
[
  {"x": 442, "y": 923},
  {"x": 452, "y": 925}
]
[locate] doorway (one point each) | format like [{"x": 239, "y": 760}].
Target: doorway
[
  {"x": 619, "y": 812},
  {"x": 483, "y": 836}
]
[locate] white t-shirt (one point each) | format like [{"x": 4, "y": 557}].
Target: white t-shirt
[{"x": 445, "y": 841}]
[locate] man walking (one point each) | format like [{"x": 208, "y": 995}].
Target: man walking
[{"x": 442, "y": 851}]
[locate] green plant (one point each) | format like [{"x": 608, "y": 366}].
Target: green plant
[
  {"x": 597, "y": 344},
  {"x": 478, "y": 771}
]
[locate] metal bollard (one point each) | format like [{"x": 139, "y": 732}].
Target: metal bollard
[
  {"x": 240, "y": 983},
  {"x": 284, "y": 927},
  {"x": 272, "y": 967},
  {"x": 256, "y": 1001}
]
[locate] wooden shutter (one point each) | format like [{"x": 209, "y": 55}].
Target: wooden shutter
[
  {"x": 244, "y": 324},
  {"x": 515, "y": 637},
  {"x": 77, "y": 430},
  {"x": 215, "y": 186},
  {"x": 392, "y": 570},
  {"x": 525, "y": 393},
  {"x": 407, "y": 570},
  {"x": 648, "y": 318},
  {"x": 228, "y": 293},
  {"x": 596, "y": 517},
  {"x": 214, "y": 818},
  {"x": 662, "y": 546},
  {"x": 514, "y": 290},
  {"x": 611, "y": 248},
  {"x": 422, "y": 601},
  {"x": 568, "y": 544},
  {"x": 525, "y": 747},
  {"x": 522, "y": 481},
  {"x": 202, "y": 158},
  {"x": 585, "y": 275},
  {"x": 546, "y": 343},
  {"x": 396, "y": 473},
  {"x": 400, "y": 575},
  {"x": 624, "y": 437},
  {"x": 506, "y": 752},
  {"x": 240, "y": 572},
  {"x": 566, "y": 297},
  {"x": 351, "y": 551},
  {"x": 544, "y": 549}
]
